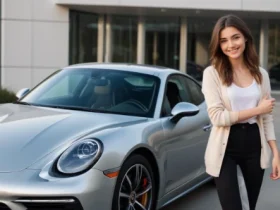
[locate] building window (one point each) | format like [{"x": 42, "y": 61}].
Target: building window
[
  {"x": 162, "y": 45},
  {"x": 274, "y": 54},
  {"x": 83, "y": 37},
  {"x": 124, "y": 39},
  {"x": 255, "y": 28},
  {"x": 199, "y": 37}
]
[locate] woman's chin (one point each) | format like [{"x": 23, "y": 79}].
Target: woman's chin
[{"x": 234, "y": 57}]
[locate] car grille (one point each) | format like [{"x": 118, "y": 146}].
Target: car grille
[
  {"x": 4, "y": 207},
  {"x": 49, "y": 204}
]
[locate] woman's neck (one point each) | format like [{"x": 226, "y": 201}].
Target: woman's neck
[{"x": 238, "y": 64}]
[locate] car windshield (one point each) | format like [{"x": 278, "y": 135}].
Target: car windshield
[{"x": 97, "y": 90}]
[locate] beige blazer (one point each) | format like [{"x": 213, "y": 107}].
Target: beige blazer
[{"x": 222, "y": 117}]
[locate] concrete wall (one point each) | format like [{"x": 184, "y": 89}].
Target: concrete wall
[
  {"x": 254, "y": 5},
  {"x": 34, "y": 41}
]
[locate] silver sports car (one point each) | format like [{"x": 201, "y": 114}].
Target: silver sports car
[{"x": 101, "y": 137}]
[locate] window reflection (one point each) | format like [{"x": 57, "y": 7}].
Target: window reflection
[
  {"x": 83, "y": 37},
  {"x": 199, "y": 36},
  {"x": 255, "y": 28},
  {"x": 274, "y": 54},
  {"x": 162, "y": 42},
  {"x": 124, "y": 35}
]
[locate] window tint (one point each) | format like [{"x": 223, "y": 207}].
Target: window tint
[
  {"x": 140, "y": 81},
  {"x": 193, "y": 91},
  {"x": 180, "y": 89},
  {"x": 175, "y": 93},
  {"x": 64, "y": 87},
  {"x": 98, "y": 90}
]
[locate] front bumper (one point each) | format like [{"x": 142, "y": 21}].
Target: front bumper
[{"x": 91, "y": 190}]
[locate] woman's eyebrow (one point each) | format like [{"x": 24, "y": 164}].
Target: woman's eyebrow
[
  {"x": 237, "y": 34},
  {"x": 223, "y": 38}
]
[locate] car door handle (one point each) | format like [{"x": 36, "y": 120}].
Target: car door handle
[{"x": 207, "y": 127}]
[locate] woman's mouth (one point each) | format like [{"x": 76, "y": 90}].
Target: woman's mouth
[{"x": 233, "y": 51}]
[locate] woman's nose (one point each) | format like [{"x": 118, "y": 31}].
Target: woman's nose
[{"x": 230, "y": 44}]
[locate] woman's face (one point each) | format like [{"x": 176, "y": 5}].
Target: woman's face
[{"x": 232, "y": 43}]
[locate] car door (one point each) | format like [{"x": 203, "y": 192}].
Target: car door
[
  {"x": 186, "y": 140},
  {"x": 197, "y": 98}
]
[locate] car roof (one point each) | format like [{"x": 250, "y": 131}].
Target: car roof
[{"x": 146, "y": 69}]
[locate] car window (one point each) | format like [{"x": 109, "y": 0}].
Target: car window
[
  {"x": 175, "y": 92},
  {"x": 193, "y": 91},
  {"x": 139, "y": 81},
  {"x": 99, "y": 90},
  {"x": 63, "y": 88}
]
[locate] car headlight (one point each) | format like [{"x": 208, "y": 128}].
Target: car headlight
[{"x": 80, "y": 156}]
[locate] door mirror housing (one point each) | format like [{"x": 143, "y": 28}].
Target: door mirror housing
[
  {"x": 183, "y": 109},
  {"x": 22, "y": 92}
]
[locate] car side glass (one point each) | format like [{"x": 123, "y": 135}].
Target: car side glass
[
  {"x": 194, "y": 91},
  {"x": 173, "y": 95}
]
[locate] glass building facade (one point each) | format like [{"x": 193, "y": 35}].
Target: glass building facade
[
  {"x": 162, "y": 43},
  {"x": 159, "y": 41},
  {"x": 124, "y": 39},
  {"x": 83, "y": 37}
]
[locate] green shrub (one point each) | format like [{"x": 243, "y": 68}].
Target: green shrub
[{"x": 7, "y": 96}]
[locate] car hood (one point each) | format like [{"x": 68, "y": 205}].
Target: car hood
[{"x": 29, "y": 133}]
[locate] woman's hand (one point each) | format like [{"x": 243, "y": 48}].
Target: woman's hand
[
  {"x": 275, "y": 168},
  {"x": 266, "y": 105}
]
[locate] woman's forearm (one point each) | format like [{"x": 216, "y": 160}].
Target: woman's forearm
[
  {"x": 274, "y": 148},
  {"x": 248, "y": 113}
]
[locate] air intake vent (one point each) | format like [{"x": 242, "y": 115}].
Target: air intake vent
[{"x": 50, "y": 203}]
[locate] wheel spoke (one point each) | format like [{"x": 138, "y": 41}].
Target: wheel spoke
[
  {"x": 140, "y": 205},
  {"x": 130, "y": 207},
  {"x": 149, "y": 187},
  {"x": 129, "y": 182},
  {"x": 138, "y": 176},
  {"x": 123, "y": 195}
]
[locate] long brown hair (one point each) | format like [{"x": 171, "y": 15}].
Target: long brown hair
[{"x": 221, "y": 62}]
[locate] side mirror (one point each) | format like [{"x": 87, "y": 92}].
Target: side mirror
[
  {"x": 183, "y": 109},
  {"x": 22, "y": 93}
]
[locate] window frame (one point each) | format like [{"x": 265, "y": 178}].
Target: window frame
[
  {"x": 188, "y": 87},
  {"x": 165, "y": 89}
]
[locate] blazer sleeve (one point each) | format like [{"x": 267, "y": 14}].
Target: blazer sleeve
[
  {"x": 217, "y": 112},
  {"x": 268, "y": 118}
]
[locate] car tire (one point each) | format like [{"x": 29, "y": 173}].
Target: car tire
[{"x": 128, "y": 188}]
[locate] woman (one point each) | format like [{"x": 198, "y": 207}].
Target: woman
[{"x": 237, "y": 94}]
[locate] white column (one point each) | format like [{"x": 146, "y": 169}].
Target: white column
[
  {"x": 264, "y": 44},
  {"x": 141, "y": 36},
  {"x": 183, "y": 45},
  {"x": 100, "y": 38},
  {"x": 109, "y": 40}
]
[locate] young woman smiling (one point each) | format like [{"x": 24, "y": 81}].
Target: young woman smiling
[{"x": 238, "y": 98}]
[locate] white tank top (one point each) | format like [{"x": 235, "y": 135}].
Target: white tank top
[{"x": 244, "y": 98}]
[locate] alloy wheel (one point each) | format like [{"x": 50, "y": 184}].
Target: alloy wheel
[{"x": 136, "y": 189}]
